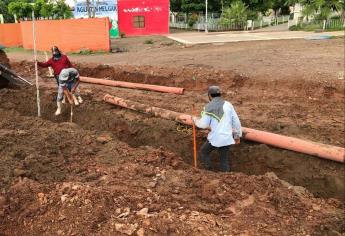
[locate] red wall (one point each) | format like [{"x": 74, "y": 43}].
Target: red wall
[{"x": 156, "y": 13}]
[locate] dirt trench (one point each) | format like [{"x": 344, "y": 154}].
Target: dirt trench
[{"x": 321, "y": 177}]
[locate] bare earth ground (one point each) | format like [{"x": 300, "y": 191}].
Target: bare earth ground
[
  {"x": 125, "y": 162},
  {"x": 282, "y": 59}
]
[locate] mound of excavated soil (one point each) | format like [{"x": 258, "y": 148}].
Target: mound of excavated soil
[
  {"x": 117, "y": 171},
  {"x": 3, "y": 59},
  {"x": 58, "y": 179},
  {"x": 6, "y": 62}
]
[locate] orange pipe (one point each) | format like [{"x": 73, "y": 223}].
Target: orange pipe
[
  {"x": 122, "y": 84},
  {"x": 329, "y": 152}
]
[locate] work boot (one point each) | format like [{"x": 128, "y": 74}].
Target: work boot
[
  {"x": 64, "y": 100},
  {"x": 58, "y": 110},
  {"x": 80, "y": 100},
  {"x": 75, "y": 100}
]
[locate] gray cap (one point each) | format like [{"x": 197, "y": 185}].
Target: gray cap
[
  {"x": 213, "y": 90},
  {"x": 67, "y": 74}
]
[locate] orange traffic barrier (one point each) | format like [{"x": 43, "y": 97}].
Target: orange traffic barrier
[
  {"x": 329, "y": 152},
  {"x": 122, "y": 84}
]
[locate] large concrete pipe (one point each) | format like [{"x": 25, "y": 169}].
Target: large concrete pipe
[
  {"x": 122, "y": 84},
  {"x": 294, "y": 144}
]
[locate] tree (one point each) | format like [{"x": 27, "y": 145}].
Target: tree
[
  {"x": 20, "y": 9},
  {"x": 193, "y": 5},
  {"x": 258, "y": 5},
  {"x": 325, "y": 7},
  {"x": 8, "y": 17},
  {"x": 47, "y": 10},
  {"x": 280, "y": 5},
  {"x": 236, "y": 13},
  {"x": 175, "y": 5},
  {"x": 322, "y": 8},
  {"x": 38, "y": 4},
  {"x": 308, "y": 10},
  {"x": 61, "y": 10}
]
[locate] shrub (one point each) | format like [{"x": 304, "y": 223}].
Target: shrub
[{"x": 192, "y": 20}]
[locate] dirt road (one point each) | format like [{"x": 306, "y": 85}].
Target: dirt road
[{"x": 282, "y": 59}]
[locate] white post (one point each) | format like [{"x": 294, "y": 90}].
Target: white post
[
  {"x": 36, "y": 70},
  {"x": 206, "y": 30},
  {"x": 253, "y": 22},
  {"x": 261, "y": 24},
  {"x": 324, "y": 25}
]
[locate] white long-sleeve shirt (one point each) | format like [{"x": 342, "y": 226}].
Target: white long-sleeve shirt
[{"x": 223, "y": 129}]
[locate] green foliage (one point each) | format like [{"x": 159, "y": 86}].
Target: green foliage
[
  {"x": 236, "y": 13},
  {"x": 175, "y": 5},
  {"x": 61, "y": 10},
  {"x": 47, "y": 10},
  {"x": 322, "y": 9},
  {"x": 192, "y": 20},
  {"x": 4, "y": 11},
  {"x": 148, "y": 41},
  {"x": 259, "y": 5},
  {"x": 20, "y": 8},
  {"x": 317, "y": 25},
  {"x": 42, "y": 8},
  {"x": 192, "y": 5},
  {"x": 37, "y": 7}
]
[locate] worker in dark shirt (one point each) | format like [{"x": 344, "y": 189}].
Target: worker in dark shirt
[{"x": 58, "y": 62}]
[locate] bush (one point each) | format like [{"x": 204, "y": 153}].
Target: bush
[
  {"x": 148, "y": 41},
  {"x": 237, "y": 12},
  {"x": 295, "y": 28},
  {"x": 192, "y": 20}
]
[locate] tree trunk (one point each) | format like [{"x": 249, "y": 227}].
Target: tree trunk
[{"x": 88, "y": 8}]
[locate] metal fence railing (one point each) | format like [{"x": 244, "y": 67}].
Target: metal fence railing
[
  {"x": 215, "y": 24},
  {"x": 322, "y": 24}
]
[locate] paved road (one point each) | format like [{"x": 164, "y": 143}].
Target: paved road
[{"x": 226, "y": 37}]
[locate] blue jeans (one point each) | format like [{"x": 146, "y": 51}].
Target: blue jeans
[{"x": 206, "y": 150}]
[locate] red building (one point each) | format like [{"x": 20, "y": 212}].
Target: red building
[{"x": 143, "y": 17}]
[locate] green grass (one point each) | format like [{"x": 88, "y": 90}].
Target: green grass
[
  {"x": 148, "y": 41},
  {"x": 314, "y": 27},
  {"x": 17, "y": 49},
  {"x": 87, "y": 52}
]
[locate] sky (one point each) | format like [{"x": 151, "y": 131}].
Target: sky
[{"x": 70, "y": 2}]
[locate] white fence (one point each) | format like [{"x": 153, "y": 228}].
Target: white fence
[{"x": 214, "y": 24}]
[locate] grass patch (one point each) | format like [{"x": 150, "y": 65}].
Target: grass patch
[
  {"x": 148, "y": 41},
  {"x": 314, "y": 27},
  {"x": 87, "y": 52},
  {"x": 17, "y": 49}
]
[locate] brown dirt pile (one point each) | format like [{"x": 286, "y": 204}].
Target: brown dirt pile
[{"x": 58, "y": 179}]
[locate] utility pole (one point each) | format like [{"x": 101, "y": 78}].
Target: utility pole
[{"x": 206, "y": 30}]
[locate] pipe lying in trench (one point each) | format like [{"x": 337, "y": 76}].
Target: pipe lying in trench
[
  {"x": 294, "y": 144},
  {"x": 122, "y": 84}
]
